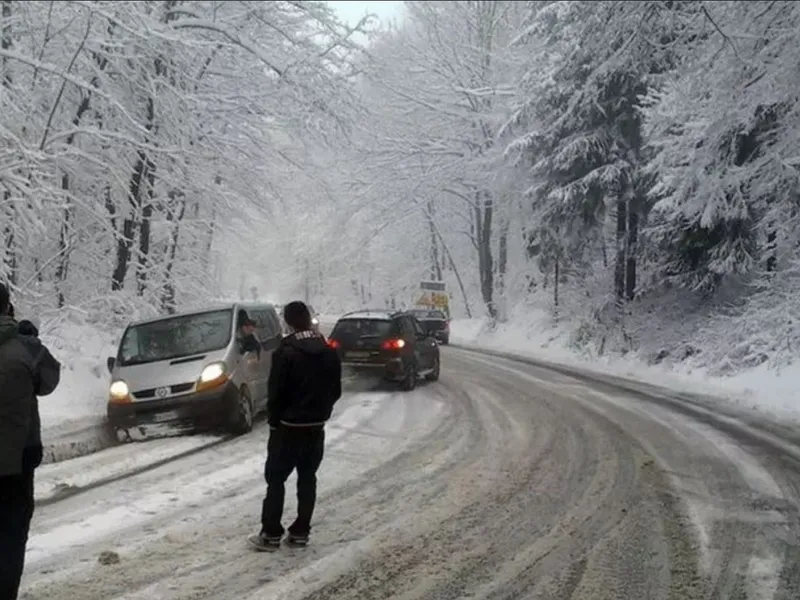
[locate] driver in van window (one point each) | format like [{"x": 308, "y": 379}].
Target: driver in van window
[{"x": 246, "y": 330}]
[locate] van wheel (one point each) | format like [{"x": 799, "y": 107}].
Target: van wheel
[
  {"x": 410, "y": 379},
  {"x": 243, "y": 413}
]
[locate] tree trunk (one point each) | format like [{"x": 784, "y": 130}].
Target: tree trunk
[
  {"x": 619, "y": 265},
  {"x": 124, "y": 244},
  {"x": 62, "y": 269},
  {"x": 502, "y": 259},
  {"x": 502, "y": 272},
  {"x": 436, "y": 267},
  {"x": 10, "y": 261},
  {"x": 168, "y": 295},
  {"x": 484, "y": 212},
  {"x": 9, "y": 239},
  {"x": 64, "y": 244},
  {"x": 556, "y": 278},
  {"x": 603, "y": 248},
  {"x": 631, "y": 242},
  {"x": 772, "y": 249},
  {"x": 143, "y": 258},
  {"x": 125, "y": 238},
  {"x": 209, "y": 245}
]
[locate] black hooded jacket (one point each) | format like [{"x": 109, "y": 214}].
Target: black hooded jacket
[
  {"x": 305, "y": 381},
  {"x": 27, "y": 370}
]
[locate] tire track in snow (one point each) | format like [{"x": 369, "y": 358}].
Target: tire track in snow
[
  {"x": 502, "y": 481},
  {"x": 68, "y": 535}
]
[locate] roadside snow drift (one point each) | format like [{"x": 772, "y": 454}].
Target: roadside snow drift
[{"x": 536, "y": 336}]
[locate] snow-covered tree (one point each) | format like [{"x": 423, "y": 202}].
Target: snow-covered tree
[
  {"x": 725, "y": 126},
  {"x": 140, "y": 138}
]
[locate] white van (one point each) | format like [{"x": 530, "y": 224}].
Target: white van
[{"x": 197, "y": 368}]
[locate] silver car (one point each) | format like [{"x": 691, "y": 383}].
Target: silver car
[{"x": 206, "y": 369}]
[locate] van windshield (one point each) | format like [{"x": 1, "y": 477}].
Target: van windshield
[{"x": 177, "y": 337}]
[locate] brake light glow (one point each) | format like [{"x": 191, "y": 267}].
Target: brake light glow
[
  {"x": 334, "y": 344},
  {"x": 393, "y": 344}
]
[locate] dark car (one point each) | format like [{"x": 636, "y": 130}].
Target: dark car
[
  {"x": 434, "y": 322},
  {"x": 391, "y": 345}
]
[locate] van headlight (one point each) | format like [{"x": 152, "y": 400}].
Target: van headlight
[
  {"x": 315, "y": 321},
  {"x": 212, "y": 377},
  {"x": 119, "y": 391},
  {"x": 212, "y": 372}
]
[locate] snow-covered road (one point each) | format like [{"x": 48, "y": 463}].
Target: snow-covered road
[{"x": 503, "y": 480}]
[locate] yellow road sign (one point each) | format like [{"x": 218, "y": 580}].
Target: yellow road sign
[
  {"x": 434, "y": 299},
  {"x": 439, "y": 300}
]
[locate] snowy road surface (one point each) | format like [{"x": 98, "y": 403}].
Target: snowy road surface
[{"x": 503, "y": 480}]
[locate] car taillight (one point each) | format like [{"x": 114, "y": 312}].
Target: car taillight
[
  {"x": 393, "y": 344},
  {"x": 334, "y": 344}
]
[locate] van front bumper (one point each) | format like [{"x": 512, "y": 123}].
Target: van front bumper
[{"x": 209, "y": 408}]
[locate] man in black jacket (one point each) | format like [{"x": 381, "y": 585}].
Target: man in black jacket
[
  {"x": 304, "y": 384},
  {"x": 27, "y": 370}
]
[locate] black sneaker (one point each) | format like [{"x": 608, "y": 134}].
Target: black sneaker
[
  {"x": 265, "y": 543},
  {"x": 294, "y": 539}
]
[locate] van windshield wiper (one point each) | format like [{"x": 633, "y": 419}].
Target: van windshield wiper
[{"x": 171, "y": 357}]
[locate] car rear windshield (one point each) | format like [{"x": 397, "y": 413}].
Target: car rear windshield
[
  {"x": 362, "y": 328},
  {"x": 177, "y": 337},
  {"x": 424, "y": 315}
]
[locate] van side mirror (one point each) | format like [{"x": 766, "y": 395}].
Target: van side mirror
[{"x": 110, "y": 362}]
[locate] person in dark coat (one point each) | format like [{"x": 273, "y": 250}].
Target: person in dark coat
[
  {"x": 27, "y": 370},
  {"x": 304, "y": 384}
]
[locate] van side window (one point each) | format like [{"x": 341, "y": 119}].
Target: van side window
[
  {"x": 276, "y": 328},
  {"x": 130, "y": 343},
  {"x": 258, "y": 318},
  {"x": 241, "y": 317},
  {"x": 267, "y": 326}
]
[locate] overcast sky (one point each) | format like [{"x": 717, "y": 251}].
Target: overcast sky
[{"x": 351, "y": 11}]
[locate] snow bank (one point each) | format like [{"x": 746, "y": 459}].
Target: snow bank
[
  {"x": 83, "y": 391},
  {"x": 73, "y": 416},
  {"x": 535, "y": 335}
]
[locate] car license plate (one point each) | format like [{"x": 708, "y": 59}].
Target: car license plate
[
  {"x": 357, "y": 354},
  {"x": 167, "y": 416}
]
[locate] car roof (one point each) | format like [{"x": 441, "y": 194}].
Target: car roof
[
  {"x": 377, "y": 314},
  {"x": 206, "y": 309}
]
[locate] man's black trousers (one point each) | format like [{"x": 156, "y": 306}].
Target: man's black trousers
[
  {"x": 16, "y": 511},
  {"x": 291, "y": 448}
]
